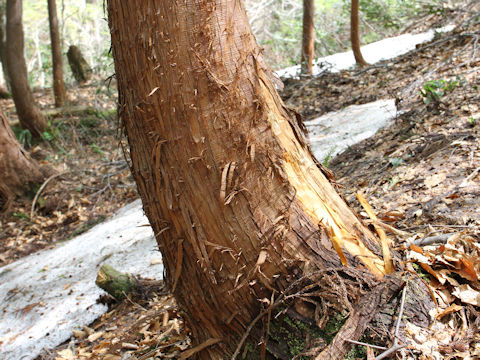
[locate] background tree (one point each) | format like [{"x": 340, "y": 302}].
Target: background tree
[
  {"x": 355, "y": 34},
  {"x": 3, "y": 52},
  {"x": 28, "y": 113},
  {"x": 18, "y": 170},
  {"x": 58, "y": 84},
  {"x": 236, "y": 199},
  {"x": 308, "y": 37}
]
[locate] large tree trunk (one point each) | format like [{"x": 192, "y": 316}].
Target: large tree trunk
[
  {"x": 18, "y": 170},
  {"x": 28, "y": 113},
  {"x": 308, "y": 37},
  {"x": 236, "y": 200},
  {"x": 355, "y": 34},
  {"x": 58, "y": 84}
]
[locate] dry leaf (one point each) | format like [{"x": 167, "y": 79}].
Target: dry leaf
[{"x": 467, "y": 294}]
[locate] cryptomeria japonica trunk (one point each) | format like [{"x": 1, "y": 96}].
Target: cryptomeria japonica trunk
[
  {"x": 28, "y": 113},
  {"x": 236, "y": 200},
  {"x": 58, "y": 83},
  {"x": 355, "y": 34},
  {"x": 308, "y": 37},
  {"x": 18, "y": 169}
]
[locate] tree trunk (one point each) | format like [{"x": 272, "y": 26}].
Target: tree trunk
[
  {"x": 18, "y": 170},
  {"x": 308, "y": 37},
  {"x": 28, "y": 113},
  {"x": 3, "y": 46},
  {"x": 355, "y": 34},
  {"x": 236, "y": 200},
  {"x": 58, "y": 84}
]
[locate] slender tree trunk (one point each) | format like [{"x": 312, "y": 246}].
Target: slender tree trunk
[
  {"x": 3, "y": 46},
  {"x": 58, "y": 84},
  {"x": 236, "y": 200},
  {"x": 308, "y": 37},
  {"x": 28, "y": 113},
  {"x": 355, "y": 34},
  {"x": 18, "y": 170}
]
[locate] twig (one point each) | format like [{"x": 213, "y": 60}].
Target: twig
[
  {"x": 390, "y": 351},
  {"x": 396, "y": 346},
  {"x": 437, "y": 239},
  {"x": 400, "y": 314},
  {"x": 365, "y": 344},
  {"x": 42, "y": 188}
]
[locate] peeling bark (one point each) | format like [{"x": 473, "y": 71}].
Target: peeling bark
[
  {"x": 238, "y": 205},
  {"x": 355, "y": 34},
  {"x": 308, "y": 37},
  {"x": 29, "y": 115},
  {"x": 58, "y": 84}
]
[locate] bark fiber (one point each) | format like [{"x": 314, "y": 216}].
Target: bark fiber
[
  {"x": 28, "y": 113},
  {"x": 231, "y": 189}
]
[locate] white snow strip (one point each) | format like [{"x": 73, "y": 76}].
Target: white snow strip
[
  {"x": 381, "y": 50},
  {"x": 46, "y": 295},
  {"x": 332, "y": 133}
]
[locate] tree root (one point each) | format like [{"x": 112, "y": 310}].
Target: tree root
[{"x": 363, "y": 313}]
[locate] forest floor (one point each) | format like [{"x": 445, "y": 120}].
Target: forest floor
[{"x": 421, "y": 176}]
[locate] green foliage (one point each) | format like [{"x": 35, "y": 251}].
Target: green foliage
[
  {"x": 24, "y": 136},
  {"x": 433, "y": 90},
  {"x": 96, "y": 149},
  {"x": 21, "y": 215},
  {"x": 51, "y": 133},
  {"x": 326, "y": 161}
]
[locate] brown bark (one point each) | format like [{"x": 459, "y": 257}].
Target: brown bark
[
  {"x": 355, "y": 34},
  {"x": 18, "y": 170},
  {"x": 234, "y": 196},
  {"x": 80, "y": 69},
  {"x": 28, "y": 113},
  {"x": 3, "y": 45},
  {"x": 58, "y": 84},
  {"x": 308, "y": 37}
]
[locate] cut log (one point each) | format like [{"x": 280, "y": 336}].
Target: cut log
[{"x": 115, "y": 283}]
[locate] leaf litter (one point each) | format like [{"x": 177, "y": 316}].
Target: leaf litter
[{"x": 419, "y": 175}]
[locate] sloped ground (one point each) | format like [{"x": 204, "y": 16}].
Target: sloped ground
[{"x": 420, "y": 175}]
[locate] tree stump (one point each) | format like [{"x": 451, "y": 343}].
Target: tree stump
[{"x": 81, "y": 71}]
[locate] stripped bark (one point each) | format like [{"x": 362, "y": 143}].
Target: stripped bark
[
  {"x": 308, "y": 37},
  {"x": 29, "y": 115},
  {"x": 231, "y": 188},
  {"x": 355, "y": 34},
  {"x": 58, "y": 85}
]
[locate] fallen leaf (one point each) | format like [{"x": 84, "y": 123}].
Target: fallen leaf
[{"x": 467, "y": 294}]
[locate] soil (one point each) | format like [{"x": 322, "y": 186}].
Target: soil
[{"x": 421, "y": 176}]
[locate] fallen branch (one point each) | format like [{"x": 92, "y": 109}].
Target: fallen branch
[{"x": 44, "y": 185}]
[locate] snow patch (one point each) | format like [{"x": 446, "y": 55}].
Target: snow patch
[
  {"x": 46, "y": 295},
  {"x": 332, "y": 133},
  {"x": 385, "y": 49}
]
